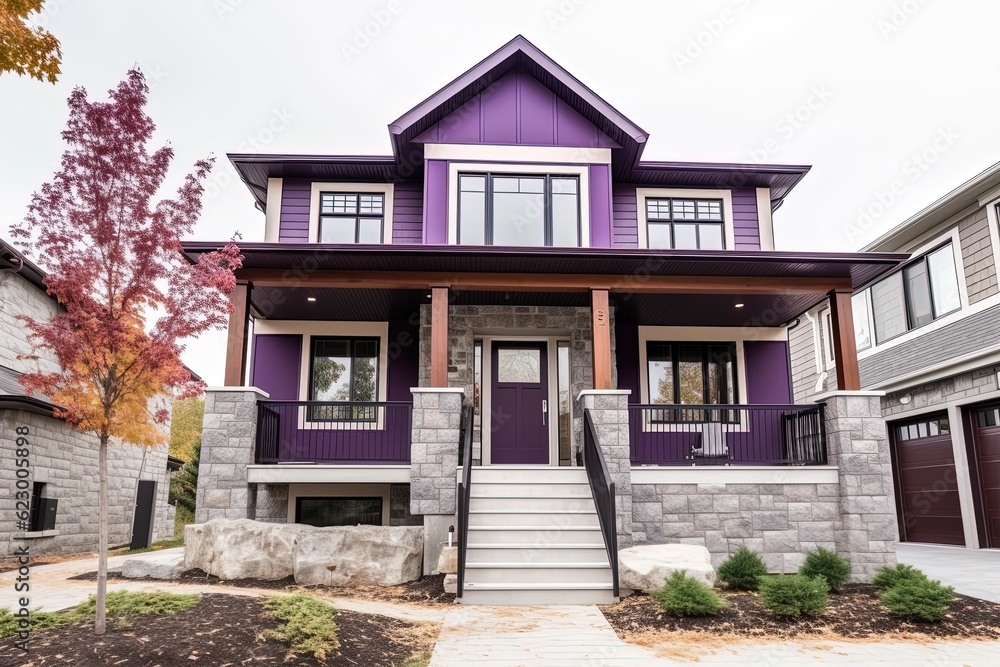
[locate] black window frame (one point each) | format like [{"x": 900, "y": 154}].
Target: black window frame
[
  {"x": 344, "y": 413},
  {"x": 923, "y": 259},
  {"x": 357, "y": 215},
  {"x": 36, "y": 518},
  {"x": 683, "y": 415},
  {"x": 547, "y": 196},
  {"x": 698, "y": 223},
  {"x": 380, "y": 499}
]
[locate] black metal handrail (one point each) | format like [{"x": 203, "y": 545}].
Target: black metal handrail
[
  {"x": 702, "y": 435},
  {"x": 603, "y": 490},
  {"x": 464, "y": 495}
]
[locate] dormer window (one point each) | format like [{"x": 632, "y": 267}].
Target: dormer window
[
  {"x": 509, "y": 209},
  {"x": 351, "y": 217}
]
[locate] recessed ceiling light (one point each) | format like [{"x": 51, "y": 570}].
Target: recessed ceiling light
[
  {"x": 310, "y": 298},
  {"x": 739, "y": 305}
]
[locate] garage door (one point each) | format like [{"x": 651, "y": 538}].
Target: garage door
[
  {"x": 926, "y": 483},
  {"x": 987, "y": 463}
]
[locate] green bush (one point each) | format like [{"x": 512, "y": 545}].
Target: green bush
[
  {"x": 794, "y": 594},
  {"x": 918, "y": 599},
  {"x": 308, "y": 625},
  {"x": 742, "y": 570},
  {"x": 828, "y": 565},
  {"x": 889, "y": 576},
  {"x": 682, "y": 595}
]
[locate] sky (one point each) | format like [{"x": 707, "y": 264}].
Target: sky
[{"x": 892, "y": 102}]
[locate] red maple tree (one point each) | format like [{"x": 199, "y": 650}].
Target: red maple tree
[{"x": 129, "y": 298}]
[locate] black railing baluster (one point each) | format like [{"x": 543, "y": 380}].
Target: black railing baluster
[
  {"x": 464, "y": 493},
  {"x": 603, "y": 490}
]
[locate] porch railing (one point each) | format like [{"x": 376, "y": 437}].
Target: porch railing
[
  {"x": 464, "y": 494},
  {"x": 356, "y": 432},
  {"x": 703, "y": 435},
  {"x": 603, "y": 490}
]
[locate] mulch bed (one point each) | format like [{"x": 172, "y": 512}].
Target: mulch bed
[
  {"x": 220, "y": 630},
  {"x": 427, "y": 590},
  {"x": 854, "y": 613}
]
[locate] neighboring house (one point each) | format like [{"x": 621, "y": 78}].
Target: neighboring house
[
  {"x": 515, "y": 255},
  {"x": 928, "y": 335},
  {"x": 62, "y": 471}
]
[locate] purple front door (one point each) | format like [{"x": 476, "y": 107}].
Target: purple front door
[{"x": 519, "y": 429}]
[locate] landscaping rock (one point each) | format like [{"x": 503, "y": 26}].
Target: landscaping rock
[
  {"x": 451, "y": 584},
  {"x": 359, "y": 555},
  {"x": 168, "y": 567},
  {"x": 242, "y": 549},
  {"x": 645, "y": 568},
  {"x": 448, "y": 560}
]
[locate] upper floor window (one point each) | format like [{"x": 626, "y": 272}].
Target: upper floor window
[
  {"x": 351, "y": 217},
  {"x": 518, "y": 210},
  {"x": 685, "y": 224},
  {"x": 922, "y": 292}
]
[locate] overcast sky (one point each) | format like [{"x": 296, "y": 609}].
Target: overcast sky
[{"x": 871, "y": 93}]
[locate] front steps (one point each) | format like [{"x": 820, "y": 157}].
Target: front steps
[{"x": 534, "y": 538}]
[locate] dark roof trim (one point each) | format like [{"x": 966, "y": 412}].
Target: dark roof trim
[
  {"x": 174, "y": 463},
  {"x": 14, "y": 261}
]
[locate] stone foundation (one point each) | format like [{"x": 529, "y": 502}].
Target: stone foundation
[{"x": 609, "y": 410}]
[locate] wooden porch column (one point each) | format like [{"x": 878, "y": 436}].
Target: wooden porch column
[
  {"x": 845, "y": 346},
  {"x": 236, "y": 346},
  {"x": 439, "y": 336},
  {"x": 601, "y": 337}
]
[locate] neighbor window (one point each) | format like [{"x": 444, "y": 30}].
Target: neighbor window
[
  {"x": 351, "y": 217},
  {"x": 685, "y": 224},
  {"x": 344, "y": 369},
  {"x": 862, "y": 320},
  {"x": 919, "y": 294},
  {"x": 691, "y": 374},
  {"x": 321, "y": 512},
  {"x": 513, "y": 210}
]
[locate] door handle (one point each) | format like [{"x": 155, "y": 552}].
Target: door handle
[{"x": 545, "y": 411}]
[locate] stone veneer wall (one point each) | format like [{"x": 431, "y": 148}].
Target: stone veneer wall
[
  {"x": 227, "y": 448},
  {"x": 466, "y": 323},
  {"x": 66, "y": 460},
  {"x": 609, "y": 411},
  {"x": 437, "y": 421},
  {"x": 855, "y": 517},
  {"x": 961, "y": 388}
]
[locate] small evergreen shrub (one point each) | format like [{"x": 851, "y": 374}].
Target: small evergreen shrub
[
  {"x": 794, "y": 594},
  {"x": 828, "y": 565},
  {"x": 682, "y": 595},
  {"x": 918, "y": 599},
  {"x": 742, "y": 571},
  {"x": 889, "y": 576},
  {"x": 307, "y": 626}
]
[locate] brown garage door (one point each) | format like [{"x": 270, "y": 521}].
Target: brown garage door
[
  {"x": 986, "y": 460},
  {"x": 926, "y": 483}
]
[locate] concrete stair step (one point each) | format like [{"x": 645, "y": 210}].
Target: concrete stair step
[
  {"x": 526, "y": 553},
  {"x": 539, "y": 491},
  {"x": 528, "y": 503},
  {"x": 534, "y": 518},
  {"x": 538, "y": 594},
  {"x": 535, "y": 573},
  {"x": 538, "y": 537}
]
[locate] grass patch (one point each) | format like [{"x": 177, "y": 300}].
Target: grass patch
[
  {"x": 308, "y": 626},
  {"x": 156, "y": 546},
  {"x": 417, "y": 662},
  {"x": 120, "y": 605}
]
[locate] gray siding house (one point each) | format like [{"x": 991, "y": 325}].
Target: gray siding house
[
  {"x": 62, "y": 475},
  {"x": 928, "y": 336}
]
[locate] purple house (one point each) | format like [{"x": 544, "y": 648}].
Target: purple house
[{"x": 515, "y": 326}]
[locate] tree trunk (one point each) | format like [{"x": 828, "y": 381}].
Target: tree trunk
[{"x": 102, "y": 537}]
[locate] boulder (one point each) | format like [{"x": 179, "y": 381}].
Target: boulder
[
  {"x": 645, "y": 568},
  {"x": 242, "y": 549},
  {"x": 358, "y": 555},
  {"x": 448, "y": 560},
  {"x": 167, "y": 567}
]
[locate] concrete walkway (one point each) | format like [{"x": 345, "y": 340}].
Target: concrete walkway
[{"x": 974, "y": 572}]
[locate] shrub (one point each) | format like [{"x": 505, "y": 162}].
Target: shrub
[
  {"x": 686, "y": 596},
  {"x": 308, "y": 624},
  {"x": 918, "y": 599},
  {"x": 827, "y": 564},
  {"x": 742, "y": 570},
  {"x": 887, "y": 576},
  {"x": 794, "y": 594}
]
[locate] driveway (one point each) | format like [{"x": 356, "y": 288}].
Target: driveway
[{"x": 974, "y": 572}]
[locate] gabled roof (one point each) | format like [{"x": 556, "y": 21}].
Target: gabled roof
[
  {"x": 925, "y": 220},
  {"x": 520, "y": 53}
]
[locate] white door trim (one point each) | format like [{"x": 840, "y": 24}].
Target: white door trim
[{"x": 553, "y": 391}]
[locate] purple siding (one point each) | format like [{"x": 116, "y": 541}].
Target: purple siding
[
  {"x": 408, "y": 212},
  {"x": 436, "y": 201},
  {"x": 276, "y": 363},
  {"x": 768, "y": 372},
  {"x": 600, "y": 206},
  {"x": 745, "y": 225},
  {"x": 294, "y": 224},
  {"x": 624, "y": 225},
  {"x": 404, "y": 363},
  {"x": 517, "y": 109},
  {"x": 627, "y": 359}
]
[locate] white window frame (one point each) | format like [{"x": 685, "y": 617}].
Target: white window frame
[
  {"x": 581, "y": 171},
  {"x": 642, "y": 194},
  {"x": 385, "y": 189}
]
